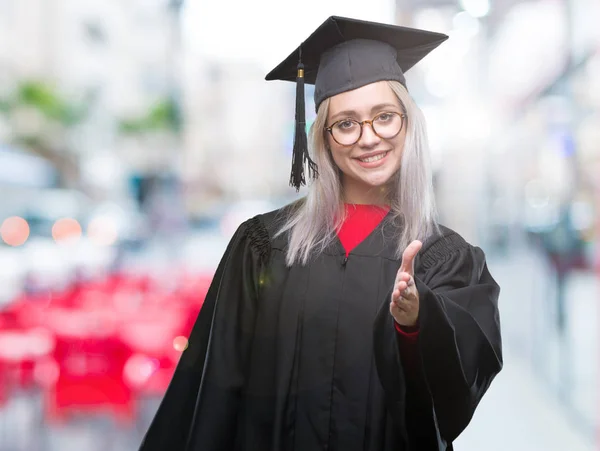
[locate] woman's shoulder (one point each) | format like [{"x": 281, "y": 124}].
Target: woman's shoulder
[
  {"x": 442, "y": 246},
  {"x": 445, "y": 238}
]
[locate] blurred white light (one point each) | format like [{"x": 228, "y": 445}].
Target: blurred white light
[
  {"x": 582, "y": 215},
  {"x": 593, "y": 71},
  {"x": 103, "y": 170},
  {"x": 430, "y": 19},
  {"x": 543, "y": 218},
  {"x": 436, "y": 126},
  {"x": 203, "y": 26},
  {"x": 472, "y": 123},
  {"x": 465, "y": 25},
  {"x": 445, "y": 70},
  {"x": 476, "y": 8},
  {"x": 536, "y": 194},
  {"x": 102, "y": 230},
  {"x": 536, "y": 52},
  {"x": 437, "y": 84},
  {"x": 542, "y": 207},
  {"x": 17, "y": 167},
  {"x": 240, "y": 212}
]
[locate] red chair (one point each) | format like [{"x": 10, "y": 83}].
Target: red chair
[
  {"x": 155, "y": 337},
  {"x": 90, "y": 361},
  {"x": 3, "y": 385},
  {"x": 20, "y": 352}
]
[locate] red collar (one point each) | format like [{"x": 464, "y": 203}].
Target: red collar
[{"x": 361, "y": 220}]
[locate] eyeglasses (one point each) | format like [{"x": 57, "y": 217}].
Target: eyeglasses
[{"x": 386, "y": 125}]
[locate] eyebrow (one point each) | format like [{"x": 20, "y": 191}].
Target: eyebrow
[{"x": 347, "y": 113}]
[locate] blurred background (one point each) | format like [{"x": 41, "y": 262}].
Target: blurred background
[{"x": 136, "y": 135}]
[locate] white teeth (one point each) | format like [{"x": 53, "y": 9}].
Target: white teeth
[{"x": 372, "y": 159}]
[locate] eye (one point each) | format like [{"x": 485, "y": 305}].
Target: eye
[
  {"x": 345, "y": 125},
  {"x": 385, "y": 117}
]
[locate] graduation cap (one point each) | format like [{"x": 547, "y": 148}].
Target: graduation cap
[{"x": 344, "y": 54}]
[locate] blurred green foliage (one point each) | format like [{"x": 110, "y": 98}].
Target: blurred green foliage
[
  {"x": 61, "y": 114},
  {"x": 162, "y": 116},
  {"x": 47, "y": 100}
]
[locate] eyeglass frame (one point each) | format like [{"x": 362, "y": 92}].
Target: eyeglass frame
[{"x": 403, "y": 116}]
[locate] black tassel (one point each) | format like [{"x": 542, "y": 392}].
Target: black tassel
[{"x": 300, "y": 155}]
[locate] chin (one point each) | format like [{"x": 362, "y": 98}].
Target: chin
[{"x": 376, "y": 182}]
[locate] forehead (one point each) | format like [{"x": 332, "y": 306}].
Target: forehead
[{"x": 363, "y": 99}]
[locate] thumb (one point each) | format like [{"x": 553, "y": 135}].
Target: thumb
[{"x": 408, "y": 257}]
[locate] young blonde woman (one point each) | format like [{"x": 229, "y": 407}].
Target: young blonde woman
[{"x": 349, "y": 320}]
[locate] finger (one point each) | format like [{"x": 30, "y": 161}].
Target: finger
[
  {"x": 406, "y": 282},
  {"x": 401, "y": 307},
  {"x": 394, "y": 309},
  {"x": 400, "y": 301},
  {"x": 409, "y": 255},
  {"x": 403, "y": 277},
  {"x": 404, "y": 299},
  {"x": 401, "y": 296}
]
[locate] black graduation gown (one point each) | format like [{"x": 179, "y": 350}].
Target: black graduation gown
[{"x": 306, "y": 358}]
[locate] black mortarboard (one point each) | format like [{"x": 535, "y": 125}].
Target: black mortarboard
[{"x": 345, "y": 54}]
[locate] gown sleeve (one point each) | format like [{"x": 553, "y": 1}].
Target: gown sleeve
[
  {"x": 199, "y": 408},
  {"x": 459, "y": 342}
]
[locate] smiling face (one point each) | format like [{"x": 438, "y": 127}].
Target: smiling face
[{"x": 369, "y": 164}]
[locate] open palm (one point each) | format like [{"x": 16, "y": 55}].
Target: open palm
[{"x": 404, "y": 305}]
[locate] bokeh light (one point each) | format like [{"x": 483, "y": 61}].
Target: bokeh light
[
  {"x": 180, "y": 343},
  {"x": 476, "y": 8},
  {"x": 102, "y": 231},
  {"x": 138, "y": 369},
  {"x": 14, "y": 231},
  {"x": 66, "y": 229},
  {"x": 46, "y": 372}
]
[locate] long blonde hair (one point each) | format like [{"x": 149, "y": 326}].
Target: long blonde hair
[{"x": 313, "y": 224}]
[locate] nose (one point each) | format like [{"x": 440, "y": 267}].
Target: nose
[{"x": 368, "y": 137}]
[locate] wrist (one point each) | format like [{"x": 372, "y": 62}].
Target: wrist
[{"x": 408, "y": 323}]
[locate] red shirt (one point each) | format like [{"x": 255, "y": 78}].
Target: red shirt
[{"x": 360, "y": 221}]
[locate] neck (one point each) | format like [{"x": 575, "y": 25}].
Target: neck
[{"x": 375, "y": 195}]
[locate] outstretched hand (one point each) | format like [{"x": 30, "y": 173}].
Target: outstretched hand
[{"x": 404, "y": 305}]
